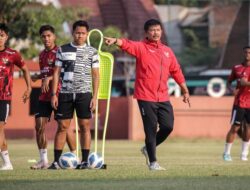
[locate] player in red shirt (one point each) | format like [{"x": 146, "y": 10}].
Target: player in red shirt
[
  {"x": 155, "y": 63},
  {"x": 241, "y": 108},
  {"x": 8, "y": 58},
  {"x": 46, "y": 62}
]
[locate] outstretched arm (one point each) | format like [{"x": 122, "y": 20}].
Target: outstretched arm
[{"x": 110, "y": 41}]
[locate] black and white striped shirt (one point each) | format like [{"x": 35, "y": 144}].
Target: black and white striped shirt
[{"x": 76, "y": 64}]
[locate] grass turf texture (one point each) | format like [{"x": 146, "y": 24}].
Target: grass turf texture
[{"x": 191, "y": 164}]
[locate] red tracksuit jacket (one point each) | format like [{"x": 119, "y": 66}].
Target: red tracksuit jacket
[{"x": 155, "y": 63}]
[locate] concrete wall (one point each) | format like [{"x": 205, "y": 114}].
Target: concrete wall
[{"x": 208, "y": 117}]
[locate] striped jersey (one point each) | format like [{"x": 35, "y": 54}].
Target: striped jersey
[{"x": 76, "y": 64}]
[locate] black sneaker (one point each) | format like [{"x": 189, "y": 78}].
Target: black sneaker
[
  {"x": 83, "y": 166},
  {"x": 54, "y": 166}
]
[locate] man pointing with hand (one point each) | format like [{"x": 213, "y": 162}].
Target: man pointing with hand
[{"x": 155, "y": 63}]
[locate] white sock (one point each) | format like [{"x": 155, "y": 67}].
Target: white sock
[
  {"x": 228, "y": 147},
  {"x": 244, "y": 150},
  {"x": 6, "y": 158},
  {"x": 43, "y": 155}
]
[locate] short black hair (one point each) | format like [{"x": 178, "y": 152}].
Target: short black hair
[
  {"x": 45, "y": 28},
  {"x": 246, "y": 47},
  {"x": 82, "y": 23},
  {"x": 4, "y": 28},
  {"x": 151, "y": 22}
]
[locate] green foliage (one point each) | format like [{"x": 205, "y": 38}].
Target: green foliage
[
  {"x": 30, "y": 53},
  {"x": 25, "y": 17},
  {"x": 12, "y": 13},
  {"x": 110, "y": 31},
  {"x": 196, "y": 53}
]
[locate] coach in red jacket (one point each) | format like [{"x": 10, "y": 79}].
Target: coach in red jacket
[{"x": 155, "y": 63}]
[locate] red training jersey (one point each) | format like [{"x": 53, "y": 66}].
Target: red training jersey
[
  {"x": 242, "y": 98},
  {"x": 8, "y": 58},
  {"x": 155, "y": 63},
  {"x": 47, "y": 63}
]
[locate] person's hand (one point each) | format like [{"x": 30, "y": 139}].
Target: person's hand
[
  {"x": 45, "y": 85},
  {"x": 186, "y": 99},
  {"x": 243, "y": 81},
  {"x": 92, "y": 105},
  {"x": 35, "y": 77},
  {"x": 54, "y": 102},
  {"x": 110, "y": 41},
  {"x": 26, "y": 95},
  {"x": 236, "y": 91}
]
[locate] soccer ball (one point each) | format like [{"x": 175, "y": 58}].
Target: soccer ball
[
  {"x": 68, "y": 160},
  {"x": 95, "y": 161}
]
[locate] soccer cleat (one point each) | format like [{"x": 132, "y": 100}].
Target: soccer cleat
[
  {"x": 7, "y": 167},
  {"x": 54, "y": 166},
  {"x": 227, "y": 157},
  {"x": 145, "y": 153},
  {"x": 244, "y": 157},
  {"x": 83, "y": 166},
  {"x": 40, "y": 165},
  {"x": 154, "y": 166}
]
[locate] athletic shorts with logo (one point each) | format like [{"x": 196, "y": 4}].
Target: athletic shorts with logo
[
  {"x": 239, "y": 115},
  {"x": 44, "y": 109},
  {"x": 70, "y": 102}
]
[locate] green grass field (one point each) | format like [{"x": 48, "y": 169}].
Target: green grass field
[{"x": 191, "y": 164}]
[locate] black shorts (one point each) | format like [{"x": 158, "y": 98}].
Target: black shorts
[
  {"x": 68, "y": 102},
  {"x": 44, "y": 109},
  {"x": 4, "y": 110},
  {"x": 239, "y": 115}
]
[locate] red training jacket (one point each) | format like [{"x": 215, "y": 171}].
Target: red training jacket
[{"x": 155, "y": 63}]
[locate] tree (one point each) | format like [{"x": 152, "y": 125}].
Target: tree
[
  {"x": 24, "y": 18},
  {"x": 196, "y": 53},
  {"x": 110, "y": 31},
  {"x": 12, "y": 13}
]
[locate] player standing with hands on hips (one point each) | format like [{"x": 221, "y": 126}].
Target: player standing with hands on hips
[{"x": 155, "y": 63}]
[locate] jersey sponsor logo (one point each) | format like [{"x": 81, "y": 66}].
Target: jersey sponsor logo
[
  {"x": 69, "y": 56},
  {"x": 45, "y": 70}
]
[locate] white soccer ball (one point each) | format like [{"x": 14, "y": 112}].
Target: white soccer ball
[
  {"x": 68, "y": 160},
  {"x": 95, "y": 161}
]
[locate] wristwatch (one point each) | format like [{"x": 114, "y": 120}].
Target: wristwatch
[{"x": 53, "y": 94}]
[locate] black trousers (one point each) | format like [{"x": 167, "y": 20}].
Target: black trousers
[{"x": 154, "y": 113}]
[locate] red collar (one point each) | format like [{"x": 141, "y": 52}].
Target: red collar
[{"x": 153, "y": 43}]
